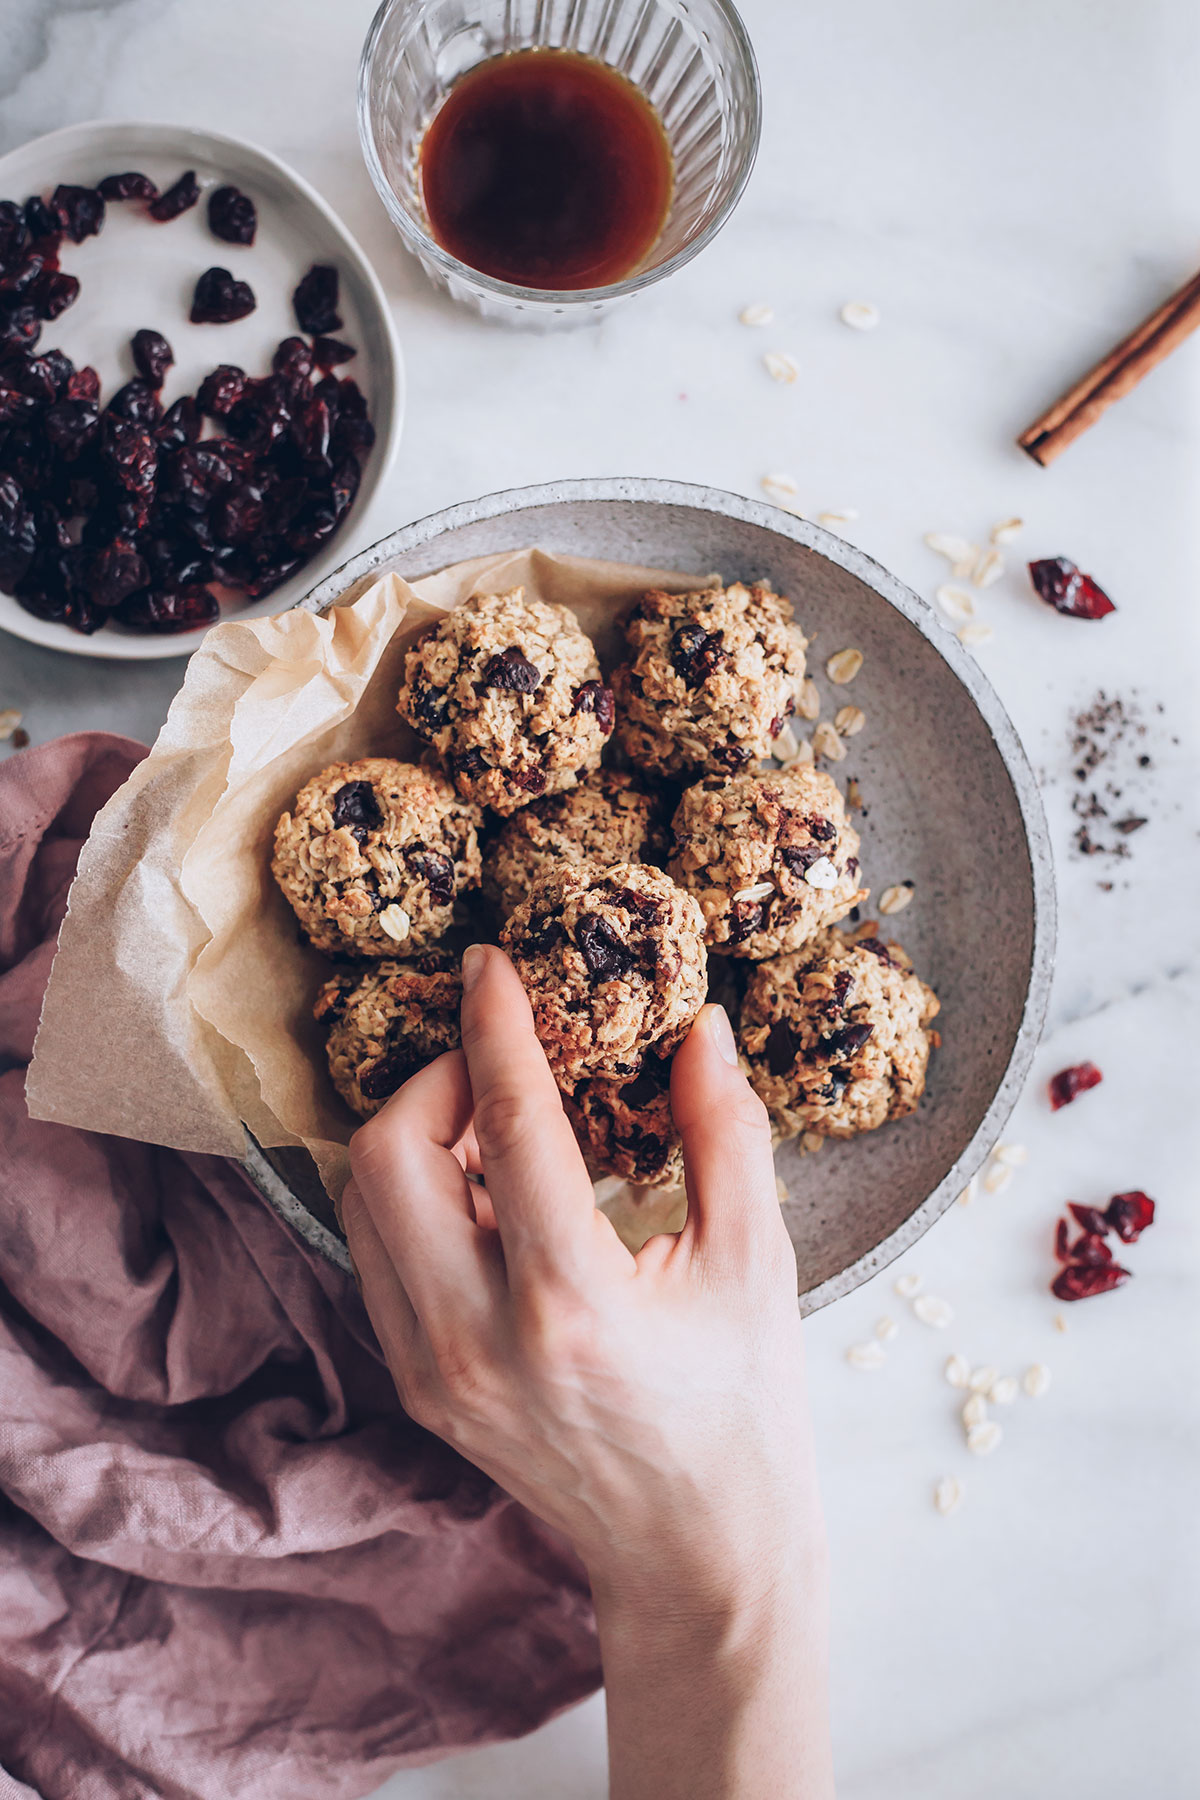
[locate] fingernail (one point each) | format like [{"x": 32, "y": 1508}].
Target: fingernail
[
  {"x": 721, "y": 1033},
  {"x": 472, "y": 965}
]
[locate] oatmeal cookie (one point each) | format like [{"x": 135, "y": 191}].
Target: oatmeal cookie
[
  {"x": 710, "y": 679},
  {"x": 835, "y": 1036},
  {"x": 387, "y": 1024},
  {"x": 608, "y": 818},
  {"x": 771, "y": 858},
  {"x": 625, "y": 1128},
  {"x": 614, "y": 965},
  {"x": 508, "y": 692},
  {"x": 373, "y": 854}
]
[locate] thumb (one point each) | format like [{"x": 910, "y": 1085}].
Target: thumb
[{"x": 729, "y": 1170}]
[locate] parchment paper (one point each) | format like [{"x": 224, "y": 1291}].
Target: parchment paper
[{"x": 180, "y": 1002}]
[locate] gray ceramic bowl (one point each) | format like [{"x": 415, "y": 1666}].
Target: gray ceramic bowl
[{"x": 951, "y": 805}]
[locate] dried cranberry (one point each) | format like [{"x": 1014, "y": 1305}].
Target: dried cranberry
[
  {"x": 1073, "y": 1081},
  {"x": 1090, "y": 1249},
  {"x": 329, "y": 353},
  {"x": 357, "y": 804},
  {"x": 18, "y": 533},
  {"x": 20, "y": 326},
  {"x": 310, "y": 429},
  {"x": 1079, "y": 1281},
  {"x": 782, "y": 1045},
  {"x": 799, "y": 857},
  {"x": 116, "y": 572},
  {"x": 84, "y": 384},
  {"x": 532, "y": 780},
  {"x": 312, "y": 525},
  {"x": 543, "y": 934},
  {"x": 642, "y": 906},
  {"x": 843, "y": 981},
  {"x": 42, "y": 222},
  {"x": 195, "y": 475},
  {"x": 513, "y": 670},
  {"x": 877, "y": 947},
  {"x": 14, "y": 232},
  {"x": 730, "y": 756},
  {"x": 847, "y": 1041},
  {"x": 315, "y": 301},
  {"x": 1063, "y": 586},
  {"x": 137, "y": 401},
  {"x": 470, "y": 763},
  {"x": 1062, "y": 1241},
  {"x": 180, "y": 424},
  {"x": 429, "y": 704},
  {"x": 81, "y": 210},
  {"x": 130, "y": 455},
  {"x": 22, "y": 273},
  {"x": 15, "y": 406},
  {"x": 745, "y": 918},
  {"x": 232, "y": 216},
  {"x": 219, "y": 299},
  {"x": 1129, "y": 1215},
  {"x": 351, "y": 437},
  {"x": 594, "y": 697},
  {"x": 130, "y": 186},
  {"x": 171, "y": 609},
  {"x": 239, "y": 515},
  {"x": 294, "y": 358},
  {"x": 435, "y": 869},
  {"x": 1089, "y": 1217},
  {"x": 221, "y": 390},
  {"x": 343, "y": 485},
  {"x": 695, "y": 653},
  {"x": 177, "y": 199},
  {"x": 53, "y": 292},
  {"x": 388, "y": 1073},
  {"x": 152, "y": 356},
  {"x": 70, "y": 426},
  {"x": 607, "y": 956}
]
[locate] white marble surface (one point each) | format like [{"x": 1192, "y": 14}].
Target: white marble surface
[{"x": 1013, "y": 185}]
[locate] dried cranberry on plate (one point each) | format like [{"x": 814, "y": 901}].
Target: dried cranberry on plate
[
  {"x": 129, "y": 186},
  {"x": 1080, "y": 1281},
  {"x": 1062, "y": 585},
  {"x": 219, "y": 299},
  {"x": 1069, "y": 1083},
  {"x": 315, "y": 301},
  {"x": 178, "y": 198},
  {"x": 80, "y": 210},
  {"x": 232, "y": 215},
  {"x": 152, "y": 356},
  {"x": 1129, "y": 1215}
]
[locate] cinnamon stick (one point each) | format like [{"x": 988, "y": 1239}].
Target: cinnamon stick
[{"x": 1115, "y": 375}]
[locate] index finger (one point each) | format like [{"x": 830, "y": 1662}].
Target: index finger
[{"x": 535, "y": 1175}]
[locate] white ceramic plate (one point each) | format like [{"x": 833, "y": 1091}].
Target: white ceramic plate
[{"x": 138, "y": 273}]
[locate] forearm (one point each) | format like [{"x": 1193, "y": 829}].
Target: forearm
[{"x": 721, "y": 1698}]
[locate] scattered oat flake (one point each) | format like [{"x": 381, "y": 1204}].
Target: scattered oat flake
[
  {"x": 907, "y": 1285},
  {"x": 1013, "y": 1156},
  {"x": 886, "y": 1329},
  {"x": 808, "y": 701},
  {"x": 870, "y": 1355},
  {"x": 1036, "y": 1379},
  {"x": 1060, "y": 1322},
  {"x": 785, "y": 745},
  {"x": 783, "y": 490},
  {"x": 957, "y": 1370},
  {"x": 843, "y": 666},
  {"x": 10, "y": 720},
  {"x": 780, "y": 366},
  {"x": 812, "y": 1141},
  {"x": 854, "y": 797},
  {"x": 804, "y": 754},
  {"x": 988, "y": 569},
  {"x": 757, "y": 313},
  {"x": 781, "y": 1190},
  {"x": 827, "y": 743},
  {"x": 762, "y": 890},
  {"x": 961, "y": 554},
  {"x": 895, "y": 899},
  {"x": 996, "y": 1178},
  {"x": 984, "y": 1438},
  {"x": 860, "y": 315},
  {"x": 948, "y": 1495},
  {"x": 955, "y": 602},
  {"x": 848, "y": 721},
  {"x": 974, "y": 1411},
  {"x": 1006, "y": 531},
  {"x": 976, "y": 633},
  {"x": 933, "y": 1311},
  {"x": 968, "y": 1193},
  {"x": 982, "y": 1379},
  {"x": 838, "y": 515},
  {"x": 1004, "y": 1390}
]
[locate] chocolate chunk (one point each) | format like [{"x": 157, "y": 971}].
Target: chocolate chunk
[
  {"x": 470, "y": 762},
  {"x": 730, "y": 756},
  {"x": 846, "y": 1042},
  {"x": 782, "y": 1045},
  {"x": 745, "y": 918},
  {"x": 821, "y": 829},
  {"x": 695, "y": 653},
  {"x": 434, "y": 868},
  {"x": 605, "y": 954},
  {"x": 356, "y": 805},
  {"x": 512, "y": 669},
  {"x": 798, "y": 857}
]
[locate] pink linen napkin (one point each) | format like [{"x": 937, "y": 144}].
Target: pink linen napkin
[{"x": 229, "y": 1564}]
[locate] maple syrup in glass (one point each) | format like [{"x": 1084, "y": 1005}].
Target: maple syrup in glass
[{"x": 547, "y": 169}]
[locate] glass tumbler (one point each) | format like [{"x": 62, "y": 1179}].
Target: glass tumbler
[{"x": 691, "y": 59}]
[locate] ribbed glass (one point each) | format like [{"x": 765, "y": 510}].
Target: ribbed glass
[{"x": 691, "y": 59}]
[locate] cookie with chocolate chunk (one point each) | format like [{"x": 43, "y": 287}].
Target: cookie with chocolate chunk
[
  {"x": 508, "y": 692},
  {"x": 771, "y": 858},
  {"x": 614, "y": 964},
  {"x": 387, "y": 1024},
  {"x": 625, "y": 1127},
  {"x": 373, "y": 855},
  {"x": 610, "y": 817},
  {"x": 710, "y": 678},
  {"x": 836, "y": 1036}
]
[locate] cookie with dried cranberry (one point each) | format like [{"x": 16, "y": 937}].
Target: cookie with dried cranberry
[
  {"x": 625, "y": 1127},
  {"x": 836, "y": 1036},
  {"x": 710, "y": 678},
  {"x": 508, "y": 692},
  {"x": 614, "y": 964},
  {"x": 771, "y": 858},
  {"x": 374, "y": 854},
  {"x": 388, "y": 1023},
  {"x": 608, "y": 817}
]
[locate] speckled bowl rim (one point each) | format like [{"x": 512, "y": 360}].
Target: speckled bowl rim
[{"x": 644, "y": 491}]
